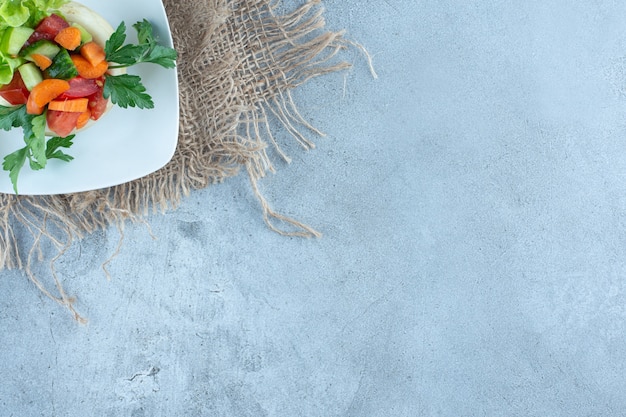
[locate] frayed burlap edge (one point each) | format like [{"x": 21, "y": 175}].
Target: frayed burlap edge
[{"x": 238, "y": 61}]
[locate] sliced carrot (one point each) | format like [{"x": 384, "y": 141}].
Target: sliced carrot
[
  {"x": 76, "y": 105},
  {"x": 69, "y": 38},
  {"x": 32, "y": 108},
  {"x": 83, "y": 119},
  {"x": 93, "y": 53},
  {"x": 86, "y": 70},
  {"x": 43, "y": 93},
  {"x": 41, "y": 61}
]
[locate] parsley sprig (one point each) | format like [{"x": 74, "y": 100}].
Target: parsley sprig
[
  {"x": 38, "y": 150},
  {"x": 127, "y": 90}
]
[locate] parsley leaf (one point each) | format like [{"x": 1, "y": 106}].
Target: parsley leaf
[
  {"x": 116, "y": 40},
  {"x": 161, "y": 55},
  {"x": 53, "y": 145},
  {"x": 37, "y": 150},
  {"x": 127, "y": 55},
  {"x": 13, "y": 163},
  {"x": 147, "y": 49},
  {"x": 11, "y": 117},
  {"x": 144, "y": 32},
  {"x": 35, "y": 138},
  {"x": 127, "y": 91}
]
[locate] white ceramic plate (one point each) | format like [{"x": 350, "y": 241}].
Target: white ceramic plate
[{"x": 125, "y": 144}]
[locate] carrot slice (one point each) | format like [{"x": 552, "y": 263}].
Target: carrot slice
[
  {"x": 32, "y": 108},
  {"x": 76, "y": 105},
  {"x": 69, "y": 38},
  {"x": 43, "y": 93},
  {"x": 93, "y": 53},
  {"x": 41, "y": 61},
  {"x": 86, "y": 70},
  {"x": 83, "y": 119}
]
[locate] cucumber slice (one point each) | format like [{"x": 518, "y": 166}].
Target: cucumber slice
[
  {"x": 84, "y": 35},
  {"x": 42, "y": 47},
  {"x": 14, "y": 38},
  {"x": 62, "y": 67},
  {"x": 31, "y": 75}
]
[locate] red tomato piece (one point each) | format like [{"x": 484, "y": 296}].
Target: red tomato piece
[
  {"x": 81, "y": 87},
  {"x": 15, "y": 92},
  {"x": 97, "y": 105},
  {"x": 61, "y": 122},
  {"x": 48, "y": 28}
]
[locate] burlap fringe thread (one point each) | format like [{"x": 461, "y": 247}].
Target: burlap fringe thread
[{"x": 238, "y": 61}]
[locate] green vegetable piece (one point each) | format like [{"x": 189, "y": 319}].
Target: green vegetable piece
[
  {"x": 31, "y": 75},
  {"x": 34, "y": 136},
  {"x": 7, "y": 67},
  {"x": 62, "y": 67},
  {"x": 49, "y": 4},
  {"x": 14, "y": 38},
  {"x": 148, "y": 50},
  {"x": 127, "y": 91},
  {"x": 116, "y": 41},
  {"x": 42, "y": 47},
  {"x": 6, "y": 73},
  {"x": 13, "y": 163},
  {"x": 14, "y": 13},
  {"x": 14, "y": 116},
  {"x": 53, "y": 145}
]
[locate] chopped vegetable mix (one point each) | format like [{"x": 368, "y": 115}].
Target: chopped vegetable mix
[{"x": 53, "y": 75}]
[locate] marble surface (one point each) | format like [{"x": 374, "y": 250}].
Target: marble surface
[{"x": 473, "y": 206}]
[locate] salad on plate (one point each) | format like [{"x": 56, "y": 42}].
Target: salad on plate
[{"x": 62, "y": 67}]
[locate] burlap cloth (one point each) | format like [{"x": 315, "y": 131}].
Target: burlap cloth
[{"x": 238, "y": 61}]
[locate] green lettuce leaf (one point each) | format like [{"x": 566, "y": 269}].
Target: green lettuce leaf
[
  {"x": 7, "y": 66},
  {"x": 14, "y": 12},
  {"x": 49, "y": 4},
  {"x": 18, "y": 12}
]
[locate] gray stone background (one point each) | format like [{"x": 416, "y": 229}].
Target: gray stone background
[{"x": 473, "y": 205}]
